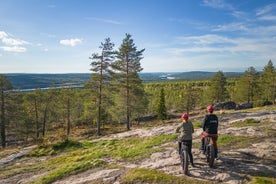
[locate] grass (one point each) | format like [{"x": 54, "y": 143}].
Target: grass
[
  {"x": 246, "y": 122},
  {"x": 235, "y": 142},
  {"x": 70, "y": 157},
  {"x": 197, "y": 124},
  {"x": 143, "y": 175},
  {"x": 263, "y": 180}
]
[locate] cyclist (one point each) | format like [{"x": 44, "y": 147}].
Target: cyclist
[
  {"x": 210, "y": 128},
  {"x": 186, "y": 129}
]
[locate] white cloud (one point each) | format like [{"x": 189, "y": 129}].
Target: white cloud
[
  {"x": 12, "y": 41},
  {"x": 12, "y": 44},
  {"x": 203, "y": 40},
  {"x": 231, "y": 27},
  {"x": 14, "y": 49},
  {"x": 217, "y": 4},
  {"x": 267, "y": 13},
  {"x": 268, "y": 17},
  {"x": 219, "y": 45},
  {"x": 3, "y": 35},
  {"x": 104, "y": 20},
  {"x": 266, "y": 9},
  {"x": 71, "y": 42}
]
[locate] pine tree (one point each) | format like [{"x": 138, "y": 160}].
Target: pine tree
[
  {"x": 101, "y": 75},
  {"x": 161, "y": 108},
  {"x": 127, "y": 66},
  {"x": 4, "y": 85},
  {"x": 217, "y": 91},
  {"x": 268, "y": 81},
  {"x": 247, "y": 86}
]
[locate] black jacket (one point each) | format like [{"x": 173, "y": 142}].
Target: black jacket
[{"x": 210, "y": 124}]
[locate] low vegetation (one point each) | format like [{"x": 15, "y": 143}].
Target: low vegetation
[
  {"x": 245, "y": 123},
  {"x": 235, "y": 142},
  {"x": 142, "y": 175},
  {"x": 70, "y": 157}
]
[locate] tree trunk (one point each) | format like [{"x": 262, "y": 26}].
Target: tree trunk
[
  {"x": 68, "y": 118},
  {"x": 127, "y": 94},
  {"x": 3, "y": 123},
  {"x": 36, "y": 119}
]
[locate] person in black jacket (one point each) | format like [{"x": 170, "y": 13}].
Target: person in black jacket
[{"x": 210, "y": 128}]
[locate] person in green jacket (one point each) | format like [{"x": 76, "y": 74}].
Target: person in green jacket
[{"x": 185, "y": 130}]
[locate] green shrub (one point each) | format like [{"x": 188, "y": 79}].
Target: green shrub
[
  {"x": 263, "y": 180},
  {"x": 246, "y": 122}
]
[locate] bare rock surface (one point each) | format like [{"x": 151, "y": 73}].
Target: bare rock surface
[{"x": 233, "y": 167}]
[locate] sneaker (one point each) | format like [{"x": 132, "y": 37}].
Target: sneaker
[
  {"x": 217, "y": 157},
  {"x": 193, "y": 165},
  {"x": 201, "y": 150}
]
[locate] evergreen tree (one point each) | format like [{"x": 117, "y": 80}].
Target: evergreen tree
[
  {"x": 33, "y": 105},
  {"x": 127, "y": 66},
  {"x": 189, "y": 98},
  {"x": 217, "y": 90},
  {"x": 247, "y": 86},
  {"x": 101, "y": 75},
  {"x": 268, "y": 81},
  {"x": 4, "y": 85},
  {"x": 161, "y": 108}
]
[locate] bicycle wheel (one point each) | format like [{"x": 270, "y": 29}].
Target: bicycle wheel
[
  {"x": 210, "y": 155},
  {"x": 184, "y": 161}
]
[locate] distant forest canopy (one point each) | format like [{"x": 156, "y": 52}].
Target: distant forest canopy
[
  {"x": 36, "y": 114},
  {"x": 34, "y": 81}
]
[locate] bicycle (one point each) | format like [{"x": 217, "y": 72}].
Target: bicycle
[
  {"x": 209, "y": 151},
  {"x": 184, "y": 157}
]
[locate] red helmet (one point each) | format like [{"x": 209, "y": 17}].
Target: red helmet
[
  {"x": 210, "y": 108},
  {"x": 185, "y": 116}
]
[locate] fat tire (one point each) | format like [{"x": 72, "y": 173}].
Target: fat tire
[
  {"x": 210, "y": 155},
  {"x": 184, "y": 161}
]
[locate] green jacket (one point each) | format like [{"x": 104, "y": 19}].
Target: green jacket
[{"x": 186, "y": 130}]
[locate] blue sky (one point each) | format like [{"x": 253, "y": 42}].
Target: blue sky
[{"x": 59, "y": 36}]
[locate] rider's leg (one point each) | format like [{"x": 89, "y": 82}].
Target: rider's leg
[
  {"x": 190, "y": 153},
  {"x": 179, "y": 148},
  {"x": 214, "y": 139},
  {"x": 202, "y": 143}
]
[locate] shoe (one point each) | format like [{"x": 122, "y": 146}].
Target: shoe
[
  {"x": 201, "y": 150},
  {"x": 193, "y": 165},
  {"x": 217, "y": 157}
]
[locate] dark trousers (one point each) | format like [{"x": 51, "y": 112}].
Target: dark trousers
[
  {"x": 189, "y": 146},
  {"x": 214, "y": 140}
]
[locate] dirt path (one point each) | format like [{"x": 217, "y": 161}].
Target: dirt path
[{"x": 233, "y": 167}]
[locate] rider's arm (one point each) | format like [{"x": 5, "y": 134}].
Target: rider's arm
[
  {"x": 177, "y": 129},
  {"x": 204, "y": 123}
]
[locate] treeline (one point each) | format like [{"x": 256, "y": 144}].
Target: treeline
[
  {"x": 115, "y": 95},
  {"x": 252, "y": 87}
]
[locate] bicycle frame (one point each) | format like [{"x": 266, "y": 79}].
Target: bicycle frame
[
  {"x": 209, "y": 150},
  {"x": 184, "y": 158}
]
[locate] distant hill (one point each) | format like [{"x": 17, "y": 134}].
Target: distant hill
[{"x": 33, "y": 81}]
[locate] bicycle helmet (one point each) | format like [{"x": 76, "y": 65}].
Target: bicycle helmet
[
  {"x": 210, "y": 108},
  {"x": 185, "y": 116}
]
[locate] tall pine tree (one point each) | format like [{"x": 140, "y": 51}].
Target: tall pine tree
[
  {"x": 4, "y": 85},
  {"x": 161, "y": 108},
  {"x": 268, "y": 81},
  {"x": 247, "y": 86},
  {"x": 101, "y": 75},
  {"x": 217, "y": 90},
  {"x": 127, "y": 67}
]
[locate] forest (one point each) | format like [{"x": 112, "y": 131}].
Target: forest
[{"x": 115, "y": 96}]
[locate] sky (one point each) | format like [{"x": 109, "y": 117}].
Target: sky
[{"x": 59, "y": 36}]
